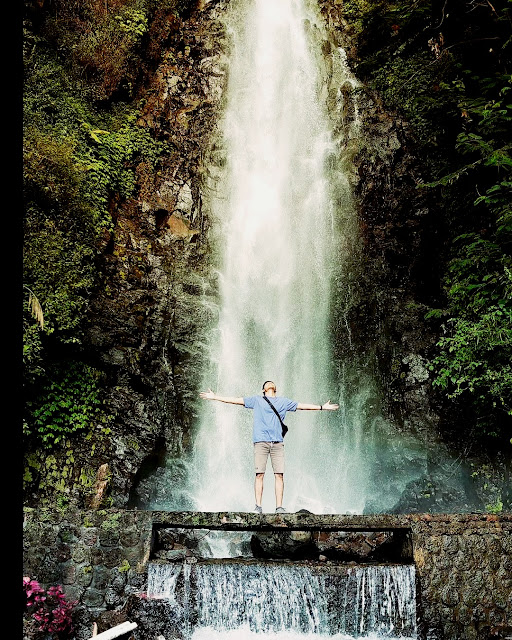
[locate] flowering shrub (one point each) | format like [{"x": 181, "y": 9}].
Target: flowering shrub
[{"x": 49, "y": 608}]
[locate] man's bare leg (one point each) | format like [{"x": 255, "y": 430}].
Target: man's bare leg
[
  {"x": 258, "y": 488},
  {"x": 279, "y": 486}
]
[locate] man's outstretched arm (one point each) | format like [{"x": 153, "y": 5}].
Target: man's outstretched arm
[
  {"x": 209, "y": 395},
  {"x": 327, "y": 406}
]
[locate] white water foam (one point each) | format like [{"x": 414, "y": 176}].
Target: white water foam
[
  {"x": 272, "y": 600},
  {"x": 244, "y": 633}
]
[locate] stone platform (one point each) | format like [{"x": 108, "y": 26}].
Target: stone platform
[{"x": 463, "y": 562}]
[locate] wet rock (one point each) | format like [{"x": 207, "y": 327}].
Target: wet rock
[
  {"x": 93, "y": 597},
  {"x": 165, "y": 538},
  {"x": 157, "y": 618},
  {"x": 438, "y": 493},
  {"x": 110, "y": 619},
  {"x": 294, "y": 545},
  {"x": 100, "y": 487}
]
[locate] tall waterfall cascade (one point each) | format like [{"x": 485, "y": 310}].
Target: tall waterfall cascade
[
  {"x": 286, "y": 250},
  {"x": 282, "y": 219},
  {"x": 242, "y": 600},
  {"x": 285, "y": 233}
]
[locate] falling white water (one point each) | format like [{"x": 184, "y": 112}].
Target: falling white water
[
  {"x": 285, "y": 601},
  {"x": 279, "y": 236},
  {"x": 162, "y": 580}
]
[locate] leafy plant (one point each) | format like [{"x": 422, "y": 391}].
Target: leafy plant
[
  {"x": 124, "y": 566},
  {"x": 78, "y": 159},
  {"x": 69, "y": 402},
  {"x": 49, "y": 608},
  {"x": 475, "y": 354},
  {"x": 447, "y": 71},
  {"x": 495, "y": 507}
]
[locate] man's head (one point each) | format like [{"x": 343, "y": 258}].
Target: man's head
[{"x": 269, "y": 386}]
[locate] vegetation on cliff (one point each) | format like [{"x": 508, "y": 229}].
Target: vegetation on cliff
[
  {"x": 445, "y": 66},
  {"x": 85, "y": 63}
]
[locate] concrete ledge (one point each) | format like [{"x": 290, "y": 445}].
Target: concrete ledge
[{"x": 305, "y": 521}]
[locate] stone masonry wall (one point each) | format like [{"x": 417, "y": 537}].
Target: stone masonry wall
[
  {"x": 99, "y": 557},
  {"x": 464, "y": 568},
  {"x": 463, "y": 562}
]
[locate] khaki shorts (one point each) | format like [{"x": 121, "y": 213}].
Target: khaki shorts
[{"x": 261, "y": 453}]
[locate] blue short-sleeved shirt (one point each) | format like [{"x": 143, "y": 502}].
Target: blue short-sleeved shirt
[{"x": 267, "y": 427}]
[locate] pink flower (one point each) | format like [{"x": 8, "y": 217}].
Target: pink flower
[{"x": 52, "y": 610}]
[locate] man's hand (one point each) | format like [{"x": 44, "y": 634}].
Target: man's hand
[
  {"x": 328, "y": 406},
  {"x": 207, "y": 395}
]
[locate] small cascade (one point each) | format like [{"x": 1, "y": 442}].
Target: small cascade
[
  {"x": 384, "y": 602},
  {"x": 261, "y": 598},
  {"x": 285, "y": 600},
  {"x": 225, "y": 544},
  {"x": 162, "y": 580}
]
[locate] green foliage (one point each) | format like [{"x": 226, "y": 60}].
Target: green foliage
[
  {"x": 475, "y": 355},
  {"x": 69, "y": 402},
  {"x": 77, "y": 159},
  {"x": 111, "y": 156},
  {"x": 112, "y": 522},
  {"x": 83, "y": 65},
  {"x": 416, "y": 83},
  {"x": 447, "y": 71},
  {"x": 106, "y": 46},
  {"x": 132, "y": 22},
  {"x": 495, "y": 507},
  {"x": 124, "y": 566}
]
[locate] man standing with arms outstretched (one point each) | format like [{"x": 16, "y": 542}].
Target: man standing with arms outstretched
[{"x": 268, "y": 433}]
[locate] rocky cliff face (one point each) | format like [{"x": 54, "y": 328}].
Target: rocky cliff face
[
  {"x": 149, "y": 320},
  {"x": 396, "y": 275}
]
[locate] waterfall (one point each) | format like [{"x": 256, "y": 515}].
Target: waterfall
[
  {"x": 277, "y": 600},
  {"x": 286, "y": 251},
  {"x": 277, "y": 230},
  {"x": 162, "y": 580}
]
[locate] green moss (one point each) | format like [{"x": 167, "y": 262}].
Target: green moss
[
  {"x": 111, "y": 523},
  {"x": 133, "y": 444},
  {"x": 33, "y": 464},
  {"x": 495, "y": 507},
  {"x": 87, "y": 477},
  {"x": 62, "y": 500},
  {"x": 66, "y": 536},
  {"x": 124, "y": 566}
]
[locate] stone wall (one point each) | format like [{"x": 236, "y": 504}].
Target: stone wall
[
  {"x": 463, "y": 562},
  {"x": 99, "y": 557},
  {"x": 464, "y": 567}
]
